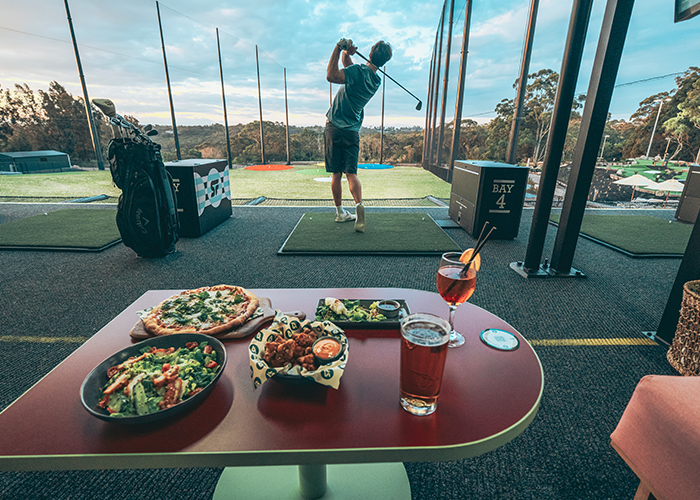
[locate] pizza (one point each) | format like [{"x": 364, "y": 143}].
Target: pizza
[{"x": 210, "y": 310}]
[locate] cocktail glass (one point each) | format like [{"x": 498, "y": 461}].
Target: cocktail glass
[{"x": 454, "y": 288}]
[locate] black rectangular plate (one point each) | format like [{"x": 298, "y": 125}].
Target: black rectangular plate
[{"x": 388, "y": 323}]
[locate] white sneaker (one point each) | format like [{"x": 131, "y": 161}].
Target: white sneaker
[
  {"x": 344, "y": 217},
  {"x": 360, "y": 218}
]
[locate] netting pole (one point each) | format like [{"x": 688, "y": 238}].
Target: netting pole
[
  {"x": 522, "y": 85},
  {"x": 381, "y": 134},
  {"x": 88, "y": 107},
  {"x": 286, "y": 114},
  {"x": 428, "y": 134},
  {"x": 262, "y": 135},
  {"x": 167, "y": 81},
  {"x": 223, "y": 99},
  {"x": 460, "y": 85}
]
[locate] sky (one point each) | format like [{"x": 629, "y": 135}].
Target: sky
[{"x": 122, "y": 59}]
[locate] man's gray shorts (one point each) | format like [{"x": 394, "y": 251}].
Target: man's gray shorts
[{"x": 342, "y": 149}]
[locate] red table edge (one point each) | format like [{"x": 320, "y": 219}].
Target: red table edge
[{"x": 277, "y": 457}]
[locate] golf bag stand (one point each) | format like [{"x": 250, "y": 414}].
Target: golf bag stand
[{"x": 146, "y": 212}]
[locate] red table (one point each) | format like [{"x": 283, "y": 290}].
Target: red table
[{"x": 488, "y": 397}]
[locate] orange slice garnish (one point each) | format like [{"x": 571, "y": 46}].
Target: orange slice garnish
[{"x": 467, "y": 254}]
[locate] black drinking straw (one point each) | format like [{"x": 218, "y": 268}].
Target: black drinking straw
[{"x": 479, "y": 245}]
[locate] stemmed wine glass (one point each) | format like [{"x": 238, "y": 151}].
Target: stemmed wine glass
[{"x": 455, "y": 288}]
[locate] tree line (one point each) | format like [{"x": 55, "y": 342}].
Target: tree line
[{"x": 54, "y": 119}]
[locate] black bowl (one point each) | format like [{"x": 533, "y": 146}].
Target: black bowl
[{"x": 96, "y": 380}]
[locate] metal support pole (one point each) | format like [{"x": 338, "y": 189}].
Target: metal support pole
[
  {"x": 437, "y": 83},
  {"x": 566, "y": 89},
  {"x": 460, "y": 85},
  {"x": 448, "y": 49},
  {"x": 689, "y": 270},
  {"x": 605, "y": 66},
  {"x": 167, "y": 81},
  {"x": 223, "y": 99},
  {"x": 88, "y": 107},
  {"x": 522, "y": 85},
  {"x": 262, "y": 135},
  {"x": 428, "y": 132},
  {"x": 312, "y": 481},
  {"x": 286, "y": 114}
]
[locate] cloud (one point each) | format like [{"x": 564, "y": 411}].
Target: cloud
[{"x": 121, "y": 52}]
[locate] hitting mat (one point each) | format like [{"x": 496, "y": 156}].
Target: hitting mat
[
  {"x": 317, "y": 233},
  {"x": 636, "y": 235},
  {"x": 78, "y": 229}
]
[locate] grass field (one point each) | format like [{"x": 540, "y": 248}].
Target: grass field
[
  {"x": 397, "y": 182},
  {"x": 643, "y": 166}
]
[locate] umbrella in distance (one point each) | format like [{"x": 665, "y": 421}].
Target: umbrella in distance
[
  {"x": 635, "y": 181},
  {"x": 669, "y": 186}
]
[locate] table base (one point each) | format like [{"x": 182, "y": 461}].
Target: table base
[{"x": 388, "y": 481}]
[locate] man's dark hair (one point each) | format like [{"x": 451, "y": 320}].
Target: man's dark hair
[{"x": 380, "y": 53}]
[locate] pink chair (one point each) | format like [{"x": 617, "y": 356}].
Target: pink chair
[{"x": 659, "y": 437}]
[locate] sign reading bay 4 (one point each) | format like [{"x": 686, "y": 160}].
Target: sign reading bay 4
[
  {"x": 488, "y": 191},
  {"x": 203, "y": 194}
]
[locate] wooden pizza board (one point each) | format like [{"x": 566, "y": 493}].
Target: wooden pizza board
[{"x": 250, "y": 327}]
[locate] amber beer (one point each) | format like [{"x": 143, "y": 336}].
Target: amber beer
[{"x": 424, "y": 340}]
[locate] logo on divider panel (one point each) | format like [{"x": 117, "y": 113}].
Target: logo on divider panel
[{"x": 211, "y": 189}]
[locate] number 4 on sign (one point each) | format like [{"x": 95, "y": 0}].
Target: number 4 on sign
[{"x": 501, "y": 201}]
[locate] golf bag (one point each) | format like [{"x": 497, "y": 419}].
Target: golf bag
[{"x": 146, "y": 213}]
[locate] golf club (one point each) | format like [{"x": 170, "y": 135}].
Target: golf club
[
  {"x": 118, "y": 122},
  {"x": 418, "y": 106}
]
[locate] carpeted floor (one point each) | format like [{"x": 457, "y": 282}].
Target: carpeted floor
[{"x": 564, "y": 454}]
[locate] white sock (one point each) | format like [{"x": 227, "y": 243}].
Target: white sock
[
  {"x": 356, "y": 204},
  {"x": 339, "y": 209}
]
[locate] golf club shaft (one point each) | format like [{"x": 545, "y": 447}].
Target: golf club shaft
[{"x": 390, "y": 78}]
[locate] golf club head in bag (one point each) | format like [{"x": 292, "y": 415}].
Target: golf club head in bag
[
  {"x": 121, "y": 127},
  {"x": 106, "y": 106}
]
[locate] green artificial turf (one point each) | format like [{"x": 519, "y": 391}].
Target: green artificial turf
[
  {"x": 394, "y": 183},
  {"x": 66, "y": 229},
  {"x": 637, "y": 235},
  {"x": 385, "y": 233},
  {"x": 312, "y": 171}
]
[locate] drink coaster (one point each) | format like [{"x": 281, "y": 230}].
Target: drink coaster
[{"x": 500, "y": 339}]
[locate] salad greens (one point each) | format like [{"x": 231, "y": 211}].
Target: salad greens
[
  {"x": 158, "y": 379},
  {"x": 348, "y": 310}
]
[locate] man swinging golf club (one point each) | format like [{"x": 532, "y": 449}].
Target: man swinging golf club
[{"x": 359, "y": 83}]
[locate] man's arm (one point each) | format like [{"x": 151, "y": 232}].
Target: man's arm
[
  {"x": 346, "y": 58},
  {"x": 334, "y": 74}
]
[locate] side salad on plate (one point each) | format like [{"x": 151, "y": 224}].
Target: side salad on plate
[{"x": 332, "y": 309}]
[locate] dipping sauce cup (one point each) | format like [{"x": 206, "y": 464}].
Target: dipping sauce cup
[
  {"x": 424, "y": 340},
  {"x": 327, "y": 349}
]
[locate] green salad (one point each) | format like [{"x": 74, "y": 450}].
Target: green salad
[
  {"x": 158, "y": 379},
  {"x": 347, "y": 310}
]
